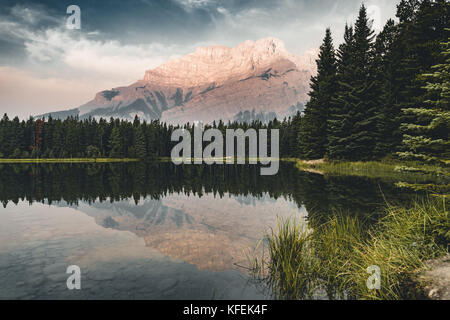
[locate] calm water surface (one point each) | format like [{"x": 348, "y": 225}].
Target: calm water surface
[{"x": 156, "y": 231}]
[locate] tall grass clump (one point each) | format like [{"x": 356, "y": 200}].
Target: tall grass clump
[
  {"x": 334, "y": 244},
  {"x": 335, "y": 256},
  {"x": 290, "y": 270},
  {"x": 400, "y": 244}
]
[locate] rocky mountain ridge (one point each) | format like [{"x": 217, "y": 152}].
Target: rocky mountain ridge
[{"x": 216, "y": 82}]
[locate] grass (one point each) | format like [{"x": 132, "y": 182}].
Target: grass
[
  {"x": 411, "y": 175},
  {"x": 334, "y": 257},
  {"x": 290, "y": 273},
  {"x": 69, "y": 160},
  {"x": 436, "y": 189},
  {"x": 375, "y": 169},
  {"x": 404, "y": 239}
]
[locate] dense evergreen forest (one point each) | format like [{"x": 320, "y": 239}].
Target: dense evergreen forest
[
  {"x": 72, "y": 138},
  {"x": 386, "y": 95},
  {"x": 374, "y": 97}
]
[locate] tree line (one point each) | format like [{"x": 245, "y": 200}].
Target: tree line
[
  {"x": 385, "y": 95},
  {"x": 92, "y": 138}
]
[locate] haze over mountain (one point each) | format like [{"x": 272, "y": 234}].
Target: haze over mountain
[{"x": 255, "y": 80}]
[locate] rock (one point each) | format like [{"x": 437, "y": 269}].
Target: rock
[
  {"x": 437, "y": 279},
  {"x": 220, "y": 64}
]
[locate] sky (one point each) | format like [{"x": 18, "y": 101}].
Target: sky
[{"x": 45, "y": 66}]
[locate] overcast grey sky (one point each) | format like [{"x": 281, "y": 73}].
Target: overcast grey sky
[{"x": 46, "y": 67}]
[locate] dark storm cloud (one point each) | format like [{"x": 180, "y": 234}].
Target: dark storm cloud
[
  {"x": 130, "y": 21},
  {"x": 188, "y": 21}
]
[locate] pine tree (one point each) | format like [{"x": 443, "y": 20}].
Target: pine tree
[
  {"x": 312, "y": 137},
  {"x": 417, "y": 48},
  {"x": 140, "y": 144},
  {"x": 338, "y": 122},
  {"x": 388, "y": 116},
  {"x": 426, "y": 139},
  {"x": 58, "y": 139},
  {"x": 357, "y": 98},
  {"x": 72, "y": 137},
  {"x": 115, "y": 143},
  {"x": 6, "y": 132},
  {"x": 406, "y": 50},
  {"x": 16, "y": 138}
]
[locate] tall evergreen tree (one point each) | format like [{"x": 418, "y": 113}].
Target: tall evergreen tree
[
  {"x": 357, "y": 98},
  {"x": 58, "y": 139},
  {"x": 389, "y": 112},
  {"x": 115, "y": 143},
  {"x": 312, "y": 137},
  {"x": 338, "y": 123},
  {"x": 72, "y": 137},
  {"x": 426, "y": 139},
  {"x": 140, "y": 144},
  {"x": 417, "y": 48}
]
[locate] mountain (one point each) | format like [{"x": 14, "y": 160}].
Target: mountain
[
  {"x": 210, "y": 232},
  {"x": 253, "y": 80}
]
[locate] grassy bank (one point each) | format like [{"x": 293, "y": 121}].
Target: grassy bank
[
  {"x": 334, "y": 257},
  {"x": 411, "y": 175},
  {"x": 374, "y": 169},
  {"x": 68, "y": 160}
]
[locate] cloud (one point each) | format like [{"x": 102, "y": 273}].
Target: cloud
[
  {"x": 83, "y": 51},
  {"x": 65, "y": 68},
  {"x": 120, "y": 41},
  {"x": 300, "y": 24},
  {"x": 33, "y": 15},
  {"x": 196, "y": 3},
  {"x": 100, "y": 58}
]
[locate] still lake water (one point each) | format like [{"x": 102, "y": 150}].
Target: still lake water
[{"x": 157, "y": 231}]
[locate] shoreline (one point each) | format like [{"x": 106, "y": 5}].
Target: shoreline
[{"x": 68, "y": 160}]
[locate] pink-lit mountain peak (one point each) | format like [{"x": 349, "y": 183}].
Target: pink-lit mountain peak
[
  {"x": 220, "y": 64},
  {"x": 252, "y": 81}
]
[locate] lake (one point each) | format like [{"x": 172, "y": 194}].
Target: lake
[{"x": 158, "y": 231}]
